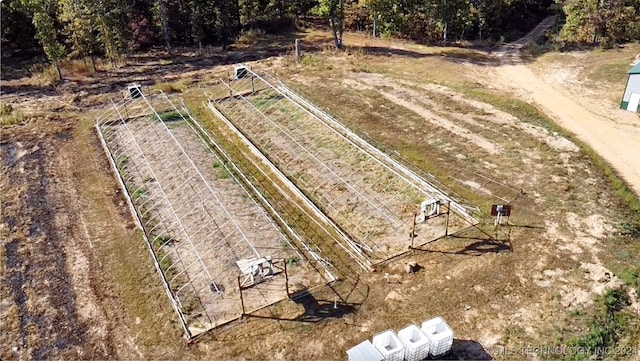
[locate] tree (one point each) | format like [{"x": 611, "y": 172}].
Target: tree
[
  {"x": 18, "y": 33},
  {"x": 164, "y": 23},
  {"x": 198, "y": 17},
  {"x": 455, "y": 17},
  {"x": 374, "y": 6},
  {"x": 140, "y": 33},
  {"x": 228, "y": 25},
  {"x": 44, "y": 14},
  {"x": 80, "y": 28},
  {"x": 580, "y": 19},
  {"x": 593, "y": 20},
  {"x": 111, "y": 23},
  {"x": 333, "y": 11}
]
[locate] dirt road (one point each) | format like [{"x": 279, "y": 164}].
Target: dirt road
[{"x": 615, "y": 140}]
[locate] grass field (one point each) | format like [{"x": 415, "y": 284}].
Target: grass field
[{"x": 563, "y": 273}]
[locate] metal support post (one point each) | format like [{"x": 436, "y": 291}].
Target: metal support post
[
  {"x": 446, "y": 225},
  {"x": 286, "y": 277},
  {"x": 241, "y": 298}
]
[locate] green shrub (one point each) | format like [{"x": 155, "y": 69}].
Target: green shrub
[
  {"x": 122, "y": 162},
  {"x": 605, "y": 328},
  {"x": 631, "y": 278},
  {"x": 630, "y": 228},
  {"x": 137, "y": 193},
  {"x": 309, "y": 60},
  {"x": 292, "y": 261},
  {"x": 6, "y": 109},
  {"x": 169, "y": 116},
  {"x": 8, "y": 115}
]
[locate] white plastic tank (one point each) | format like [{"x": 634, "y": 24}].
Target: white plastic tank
[
  {"x": 415, "y": 342},
  {"x": 439, "y": 334},
  {"x": 365, "y": 351},
  {"x": 389, "y": 346}
]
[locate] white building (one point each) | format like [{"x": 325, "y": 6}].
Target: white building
[{"x": 631, "y": 97}]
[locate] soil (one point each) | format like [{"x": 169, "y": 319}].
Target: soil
[{"x": 53, "y": 289}]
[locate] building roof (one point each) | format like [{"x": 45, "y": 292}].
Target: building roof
[{"x": 635, "y": 69}]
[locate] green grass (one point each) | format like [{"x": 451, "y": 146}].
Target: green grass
[
  {"x": 620, "y": 187},
  {"x": 121, "y": 163},
  {"x": 10, "y": 116},
  {"x": 615, "y": 73},
  {"x": 603, "y": 326},
  {"x": 631, "y": 278},
  {"x": 169, "y": 116},
  {"x": 518, "y": 108},
  {"x": 222, "y": 171},
  {"x": 159, "y": 241},
  {"x": 137, "y": 193},
  {"x": 292, "y": 261},
  {"x": 261, "y": 103},
  {"x": 309, "y": 60}
]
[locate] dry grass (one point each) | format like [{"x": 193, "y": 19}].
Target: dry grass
[
  {"x": 600, "y": 73},
  {"x": 177, "y": 86},
  {"x": 367, "y": 111},
  {"x": 490, "y": 295},
  {"x": 125, "y": 259}
]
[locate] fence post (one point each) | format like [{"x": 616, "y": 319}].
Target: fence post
[
  {"x": 446, "y": 226},
  {"x": 297, "y": 49},
  {"x": 286, "y": 277},
  {"x": 241, "y": 299}
]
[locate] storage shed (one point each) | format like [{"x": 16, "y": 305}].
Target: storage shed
[{"x": 631, "y": 97}]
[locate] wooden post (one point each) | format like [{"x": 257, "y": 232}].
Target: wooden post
[
  {"x": 297, "y": 49},
  {"x": 241, "y": 299},
  {"x": 253, "y": 87},
  {"x": 413, "y": 230},
  {"x": 446, "y": 226},
  {"x": 286, "y": 277}
]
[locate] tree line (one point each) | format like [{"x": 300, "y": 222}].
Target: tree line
[{"x": 110, "y": 28}]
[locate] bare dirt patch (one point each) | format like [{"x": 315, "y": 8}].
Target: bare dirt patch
[{"x": 49, "y": 279}]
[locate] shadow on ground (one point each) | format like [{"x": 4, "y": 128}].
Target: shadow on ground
[{"x": 467, "y": 350}]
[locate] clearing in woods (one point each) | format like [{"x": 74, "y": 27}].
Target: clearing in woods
[{"x": 79, "y": 282}]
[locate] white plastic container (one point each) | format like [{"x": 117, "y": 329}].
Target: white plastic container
[
  {"x": 439, "y": 334},
  {"x": 389, "y": 346},
  {"x": 365, "y": 351},
  {"x": 415, "y": 342}
]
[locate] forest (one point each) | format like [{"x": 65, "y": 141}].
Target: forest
[{"x": 70, "y": 29}]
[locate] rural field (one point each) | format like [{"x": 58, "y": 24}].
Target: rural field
[{"x": 541, "y": 132}]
